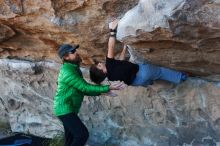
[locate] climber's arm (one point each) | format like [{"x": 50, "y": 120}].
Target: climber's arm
[
  {"x": 112, "y": 39},
  {"x": 122, "y": 55}
]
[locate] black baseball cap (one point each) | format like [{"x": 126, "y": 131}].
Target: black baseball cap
[{"x": 66, "y": 48}]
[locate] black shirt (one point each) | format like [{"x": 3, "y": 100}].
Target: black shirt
[{"x": 121, "y": 70}]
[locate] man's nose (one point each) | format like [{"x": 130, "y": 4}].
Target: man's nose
[{"x": 77, "y": 53}]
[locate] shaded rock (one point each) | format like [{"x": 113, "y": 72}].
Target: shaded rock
[
  {"x": 181, "y": 34},
  {"x": 5, "y": 32}
]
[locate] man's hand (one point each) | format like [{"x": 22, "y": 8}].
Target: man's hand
[
  {"x": 117, "y": 85},
  {"x": 112, "y": 39},
  {"x": 113, "y": 25}
]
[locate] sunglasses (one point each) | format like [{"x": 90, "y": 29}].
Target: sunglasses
[{"x": 72, "y": 52}]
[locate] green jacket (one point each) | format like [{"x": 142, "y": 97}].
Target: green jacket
[{"x": 72, "y": 88}]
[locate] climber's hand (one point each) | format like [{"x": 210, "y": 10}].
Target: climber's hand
[
  {"x": 117, "y": 85},
  {"x": 113, "y": 25}
]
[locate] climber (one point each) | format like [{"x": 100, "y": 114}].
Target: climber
[
  {"x": 70, "y": 92},
  {"x": 130, "y": 73}
]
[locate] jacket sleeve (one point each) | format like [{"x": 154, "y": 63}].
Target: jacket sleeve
[{"x": 76, "y": 81}]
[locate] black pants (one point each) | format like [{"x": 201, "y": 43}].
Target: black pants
[{"x": 76, "y": 133}]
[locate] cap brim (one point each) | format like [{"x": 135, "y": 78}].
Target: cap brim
[
  {"x": 77, "y": 46},
  {"x": 73, "y": 48}
]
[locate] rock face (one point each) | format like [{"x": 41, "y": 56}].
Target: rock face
[
  {"x": 34, "y": 29},
  {"x": 26, "y": 99},
  {"x": 162, "y": 114},
  {"x": 182, "y": 34}
]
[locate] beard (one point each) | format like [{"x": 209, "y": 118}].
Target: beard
[{"x": 77, "y": 60}]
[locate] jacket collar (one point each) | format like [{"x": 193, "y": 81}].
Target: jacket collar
[{"x": 71, "y": 64}]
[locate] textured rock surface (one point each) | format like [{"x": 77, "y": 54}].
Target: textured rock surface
[
  {"x": 161, "y": 114},
  {"x": 182, "y": 34},
  {"x": 34, "y": 29},
  {"x": 26, "y": 98}
]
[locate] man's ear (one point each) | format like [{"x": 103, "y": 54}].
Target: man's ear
[{"x": 66, "y": 57}]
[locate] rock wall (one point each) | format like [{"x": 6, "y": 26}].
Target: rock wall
[
  {"x": 162, "y": 114},
  {"x": 181, "y": 34},
  {"x": 26, "y": 99},
  {"x": 34, "y": 29}
]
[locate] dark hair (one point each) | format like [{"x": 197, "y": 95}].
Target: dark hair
[{"x": 96, "y": 75}]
